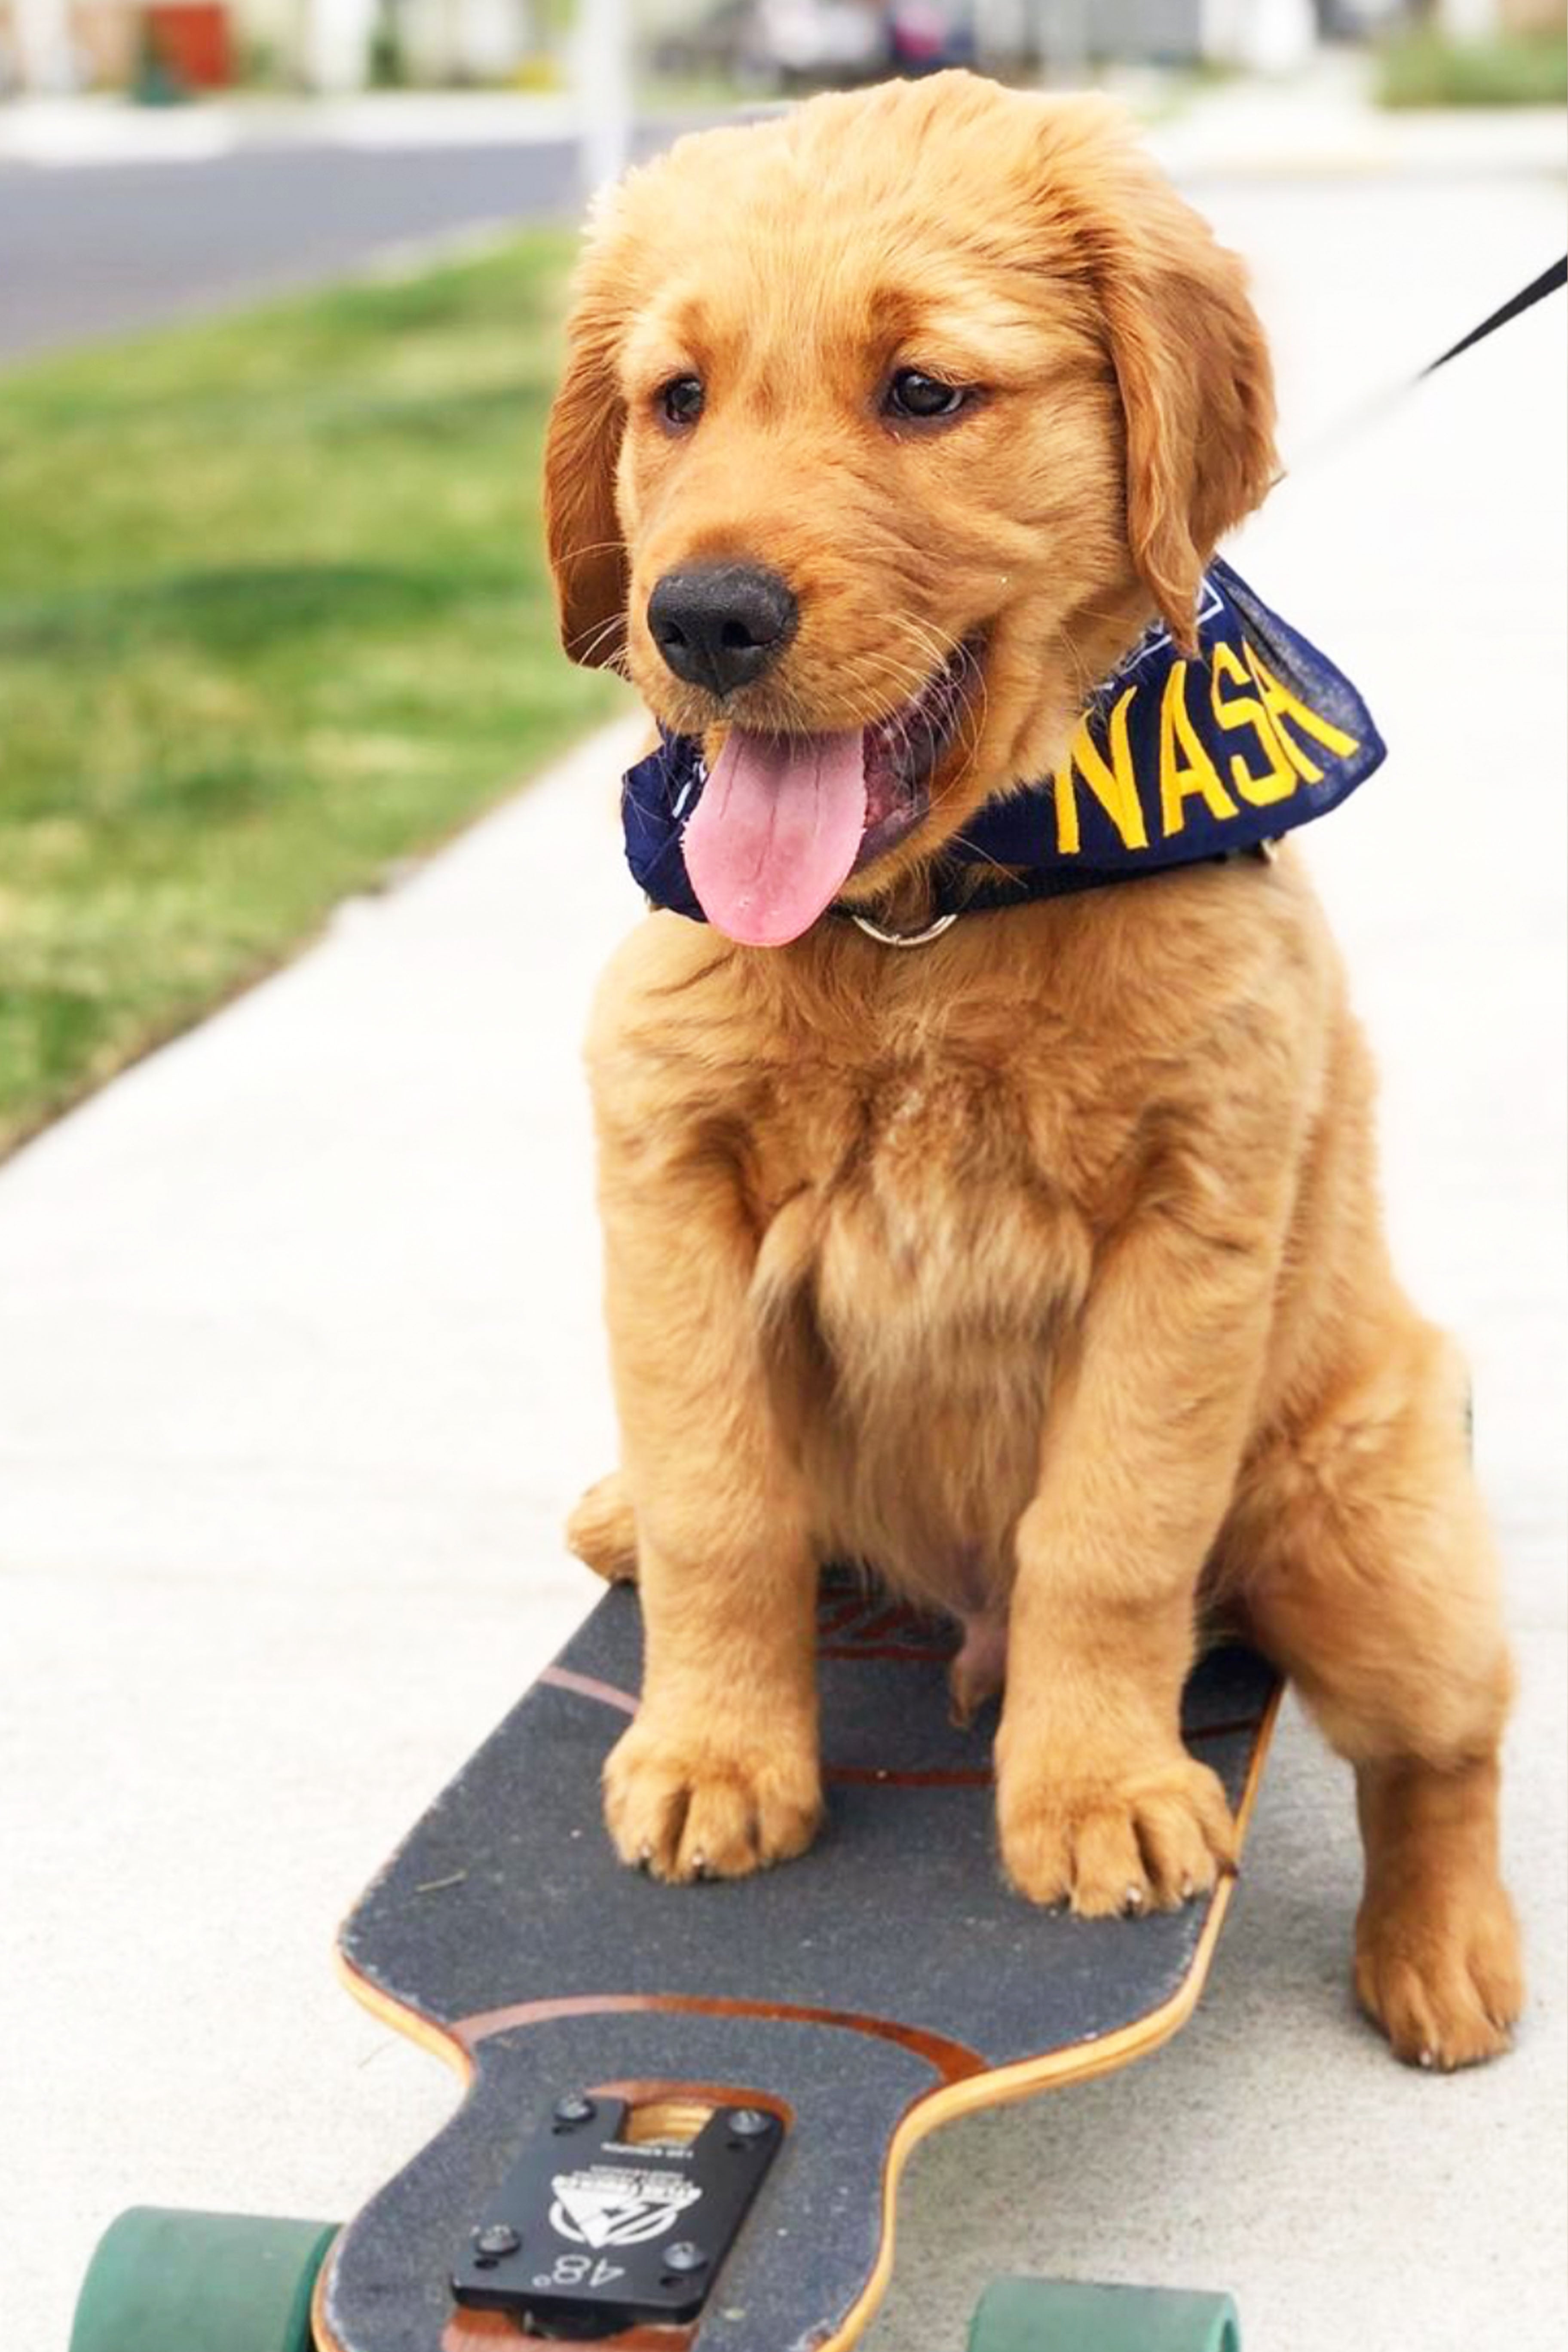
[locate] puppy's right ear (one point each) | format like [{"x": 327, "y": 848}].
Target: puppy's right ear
[{"x": 582, "y": 535}]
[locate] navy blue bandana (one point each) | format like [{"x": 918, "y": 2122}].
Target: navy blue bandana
[{"x": 1177, "y": 760}]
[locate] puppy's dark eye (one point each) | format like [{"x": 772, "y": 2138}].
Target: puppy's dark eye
[
  {"x": 912, "y": 394},
  {"x": 681, "y": 401}
]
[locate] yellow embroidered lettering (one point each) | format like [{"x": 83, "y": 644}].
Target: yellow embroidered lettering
[
  {"x": 1196, "y": 773},
  {"x": 1068, "y": 843},
  {"x": 1282, "y": 705},
  {"x": 1278, "y": 779},
  {"x": 1114, "y": 786}
]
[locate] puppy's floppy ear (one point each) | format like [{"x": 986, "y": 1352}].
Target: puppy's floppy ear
[
  {"x": 1192, "y": 366},
  {"x": 581, "y": 532}
]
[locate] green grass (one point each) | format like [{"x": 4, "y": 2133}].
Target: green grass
[
  {"x": 1420, "y": 68},
  {"x": 273, "y": 618}
]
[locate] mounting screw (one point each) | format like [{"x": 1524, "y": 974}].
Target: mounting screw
[
  {"x": 499, "y": 2239},
  {"x": 685, "y": 2256},
  {"x": 574, "y": 2109},
  {"x": 749, "y": 2123}
]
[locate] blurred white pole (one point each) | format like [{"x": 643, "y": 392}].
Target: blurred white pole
[
  {"x": 337, "y": 43},
  {"x": 44, "y": 41},
  {"x": 604, "y": 89},
  {"x": 1279, "y": 36}
]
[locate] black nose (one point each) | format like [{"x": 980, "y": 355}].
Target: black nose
[{"x": 722, "y": 624}]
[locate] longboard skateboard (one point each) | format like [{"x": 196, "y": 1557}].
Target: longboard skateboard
[{"x": 689, "y": 2107}]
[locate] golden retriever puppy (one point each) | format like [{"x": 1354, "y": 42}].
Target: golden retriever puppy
[{"x": 1038, "y": 1268}]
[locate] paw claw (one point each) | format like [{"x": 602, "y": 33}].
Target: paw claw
[
  {"x": 1439, "y": 1971},
  {"x": 683, "y": 1811},
  {"x": 1149, "y": 1843}
]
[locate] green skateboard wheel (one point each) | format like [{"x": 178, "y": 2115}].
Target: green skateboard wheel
[
  {"x": 1055, "y": 2315},
  {"x": 166, "y": 2281}
]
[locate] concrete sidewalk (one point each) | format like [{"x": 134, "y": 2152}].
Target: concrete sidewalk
[
  {"x": 70, "y": 134},
  {"x": 1323, "y": 123},
  {"x": 299, "y": 1367}
]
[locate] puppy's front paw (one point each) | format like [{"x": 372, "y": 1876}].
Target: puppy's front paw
[
  {"x": 1148, "y": 1841},
  {"x": 1439, "y": 1968},
  {"x": 711, "y": 1807}
]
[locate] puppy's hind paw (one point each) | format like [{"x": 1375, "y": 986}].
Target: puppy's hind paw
[
  {"x": 1442, "y": 1977},
  {"x": 603, "y": 1531}
]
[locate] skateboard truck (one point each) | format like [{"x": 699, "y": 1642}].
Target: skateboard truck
[{"x": 591, "y": 2232}]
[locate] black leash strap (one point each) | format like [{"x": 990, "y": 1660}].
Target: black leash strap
[
  {"x": 1549, "y": 281},
  {"x": 1369, "y": 411}
]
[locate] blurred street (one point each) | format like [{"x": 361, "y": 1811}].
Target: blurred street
[
  {"x": 90, "y": 254},
  {"x": 111, "y": 225},
  {"x": 301, "y": 1368}
]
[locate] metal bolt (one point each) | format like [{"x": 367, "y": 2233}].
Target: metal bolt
[
  {"x": 747, "y": 2122},
  {"x": 574, "y": 2109},
  {"x": 499, "y": 2239},
  {"x": 685, "y": 2256}
]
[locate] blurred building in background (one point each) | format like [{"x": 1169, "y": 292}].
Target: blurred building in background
[
  {"x": 62, "y": 45},
  {"x": 168, "y": 48}
]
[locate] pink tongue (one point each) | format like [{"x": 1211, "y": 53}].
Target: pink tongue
[{"x": 776, "y": 831}]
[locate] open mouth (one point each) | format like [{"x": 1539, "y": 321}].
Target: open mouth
[{"x": 784, "y": 820}]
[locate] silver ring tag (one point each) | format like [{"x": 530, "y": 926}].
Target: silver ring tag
[{"x": 901, "y": 939}]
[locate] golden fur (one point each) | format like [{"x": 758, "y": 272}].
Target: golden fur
[{"x": 1040, "y": 1268}]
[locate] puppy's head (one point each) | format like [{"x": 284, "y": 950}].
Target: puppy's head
[{"x": 886, "y": 427}]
